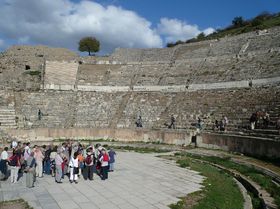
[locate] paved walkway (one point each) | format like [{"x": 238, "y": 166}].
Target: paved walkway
[{"x": 139, "y": 181}]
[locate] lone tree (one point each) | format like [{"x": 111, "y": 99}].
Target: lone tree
[
  {"x": 238, "y": 21},
  {"x": 89, "y": 44}
]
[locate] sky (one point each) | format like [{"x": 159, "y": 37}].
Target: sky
[{"x": 119, "y": 23}]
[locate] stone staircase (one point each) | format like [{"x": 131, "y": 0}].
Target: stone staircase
[{"x": 7, "y": 117}]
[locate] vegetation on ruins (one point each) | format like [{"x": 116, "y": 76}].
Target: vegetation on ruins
[
  {"x": 15, "y": 204},
  {"x": 138, "y": 149},
  {"x": 89, "y": 44},
  {"x": 239, "y": 25},
  {"x": 214, "y": 194},
  {"x": 265, "y": 181}
]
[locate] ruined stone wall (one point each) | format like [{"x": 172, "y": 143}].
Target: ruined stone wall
[
  {"x": 243, "y": 57},
  {"x": 21, "y": 67},
  {"x": 251, "y": 146}
]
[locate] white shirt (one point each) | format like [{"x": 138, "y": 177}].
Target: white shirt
[
  {"x": 74, "y": 162},
  {"x": 4, "y": 155}
]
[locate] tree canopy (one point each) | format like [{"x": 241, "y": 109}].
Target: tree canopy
[
  {"x": 238, "y": 21},
  {"x": 89, "y": 44}
]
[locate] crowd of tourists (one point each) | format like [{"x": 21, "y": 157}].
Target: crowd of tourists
[{"x": 70, "y": 160}]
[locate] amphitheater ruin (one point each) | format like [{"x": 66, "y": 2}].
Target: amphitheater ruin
[{"x": 102, "y": 97}]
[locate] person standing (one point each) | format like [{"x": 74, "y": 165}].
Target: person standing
[
  {"x": 30, "y": 170},
  {"x": 38, "y": 155},
  {"x": 40, "y": 114},
  {"x": 104, "y": 159},
  {"x": 3, "y": 162},
  {"x": 172, "y": 123},
  {"x": 89, "y": 163},
  {"x": 58, "y": 167},
  {"x": 74, "y": 168},
  {"x": 26, "y": 152},
  {"x": 47, "y": 161},
  {"x": 14, "y": 162},
  {"x": 253, "y": 120},
  {"x": 112, "y": 155},
  {"x": 224, "y": 123},
  {"x": 81, "y": 162}
]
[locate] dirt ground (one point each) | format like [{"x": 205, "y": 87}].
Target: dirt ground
[{"x": 16, "y": 204}]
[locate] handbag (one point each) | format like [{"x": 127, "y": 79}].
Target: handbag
[{"x": 76, "y": 170}]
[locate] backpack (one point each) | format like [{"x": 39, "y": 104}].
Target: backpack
[
  {"x": 13, "y": 161},
  {"x": 88, "y": 160}
]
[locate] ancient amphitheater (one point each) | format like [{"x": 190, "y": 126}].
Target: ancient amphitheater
[{"x": 102, "y": 97}]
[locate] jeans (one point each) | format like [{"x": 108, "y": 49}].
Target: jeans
[
  {"x": 3, "y": 168},
  {"x": 111, "y": 166},
  {"x": 47, "y": 167}
]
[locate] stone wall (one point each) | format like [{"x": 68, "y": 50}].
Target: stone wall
[
  {"x": 252, "y": 146},
  {"x": 121, "y": 108},
  {"x": 21, "y": 67},
  {"x": 58, "y": 109}
]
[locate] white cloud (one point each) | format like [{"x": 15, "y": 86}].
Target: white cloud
[
  {"x": 208, "y": 31},
  {"x": 63, "y": 23},
  {"x": 174, "y": 30}
]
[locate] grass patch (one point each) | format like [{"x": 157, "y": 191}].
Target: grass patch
[
  {"x": 140, "y": 149},
  {"x": 255, "y": 175},
  {"x": 220, "y": 190},
  {"x": 15, "y": 204},
  {"x": 84, "y": 140},
  {"x": 33, "y": 73}
]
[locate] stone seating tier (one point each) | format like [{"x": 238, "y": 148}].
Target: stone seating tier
[{"x": 121, "y": 109}]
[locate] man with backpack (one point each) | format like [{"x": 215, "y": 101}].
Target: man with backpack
[{"x": 89, "y": 163}]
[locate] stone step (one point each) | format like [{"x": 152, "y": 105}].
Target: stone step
[
  {"x": 7, "y": 114},
  {"x": 6, "y": 110},
  {"x": 266, "y": 131}
]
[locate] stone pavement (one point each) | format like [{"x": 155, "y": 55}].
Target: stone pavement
[{"x": 139, "y": 181}]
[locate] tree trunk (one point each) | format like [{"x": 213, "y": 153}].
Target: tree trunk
[{"x": 88, "y": 53}]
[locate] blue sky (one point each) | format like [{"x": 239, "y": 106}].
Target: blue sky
[
  {"x": 205, "y": 13},
  {"x": 119, "y": 23}
]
